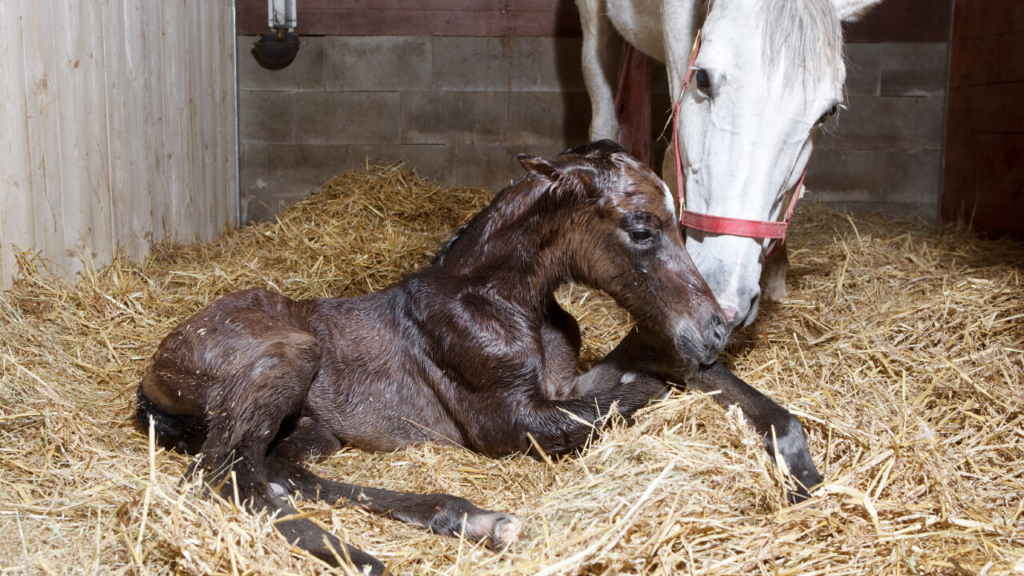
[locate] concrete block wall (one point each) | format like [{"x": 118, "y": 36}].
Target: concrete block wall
[
  {"x": 884, "y": 152},
  {"x": 459, "y": 108}
]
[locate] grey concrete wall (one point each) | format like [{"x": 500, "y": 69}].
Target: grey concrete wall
[
  {"x": 458, "y": 109},
  {"x": 884, "y": 152}
]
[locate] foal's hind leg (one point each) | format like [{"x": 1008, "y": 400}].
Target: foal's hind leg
[
  {"x": 245, "y": 372},
  {"x": 307, "y": 535},
  {"x": 440, "y": 513}
]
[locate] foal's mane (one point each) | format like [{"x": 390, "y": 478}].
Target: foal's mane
[
  {"x": 802, "y": 34},
  {"x": 536, "y": 193}
]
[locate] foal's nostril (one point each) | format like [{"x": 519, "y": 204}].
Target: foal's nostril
[{"x": 717, "y": 333}]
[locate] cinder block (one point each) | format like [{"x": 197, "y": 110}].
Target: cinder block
[
  {"x": 276, "y": 175},
  {"x": 464, "y": 63},
  {"x": 306, "y": 72},
  {"x": 273, "y": 176},
  {"x": 372, "y": 63},
  {"x": 910, "y": 177},
  {"x": 926, "y": 212},
  {"x": 914, "y": 69},
  {"x": 843, "y": 175},
  {"x": 890, "y": 123},
  {"x": 453, "y": 117},
  {"x": 551, "y": 118},
  {"x": 546, "y": 64},
  {"x": 495, "y": 165},
  {"x": 863, "y": 69},
  {"x": 487, "y": 165},
  {"x": 347, "y": 117},
  {"x": 266, "y": 116},
  {"x": 438, "y": 163}
]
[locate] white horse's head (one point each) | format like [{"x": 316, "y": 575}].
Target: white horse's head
[{"x": 768, "y": 74}]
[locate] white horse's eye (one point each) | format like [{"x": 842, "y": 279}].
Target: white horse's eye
[
  {"x": 703, "y": 82},
  {"x": 831, "y": 112}
]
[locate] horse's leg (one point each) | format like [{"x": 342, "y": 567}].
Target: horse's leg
[
  {"x": 271, "y": 379},
  {"x": 773, "y": 275},
  {"x": 528, "y": 421},
  {"x": 305, "y": 534},
  {"x": 246, "y": 372},
  {"x": 600, "y": 66},
  {"x": 440, "y": 513},
  {"x": 640, "y": 361},
  {"x": 668, "y": 169},
  {"x": 780, "y": 430}
]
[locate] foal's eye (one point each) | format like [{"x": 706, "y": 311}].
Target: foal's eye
[
  {"x": 831, "y": 112},
  {"x": 703, "y": 82},
  {"x": 640, "y": 236}
]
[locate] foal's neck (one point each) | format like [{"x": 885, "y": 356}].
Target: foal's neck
[{"x": 516, "y": 248}]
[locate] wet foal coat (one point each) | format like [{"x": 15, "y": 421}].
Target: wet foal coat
[{"x": 472, "y": 350}]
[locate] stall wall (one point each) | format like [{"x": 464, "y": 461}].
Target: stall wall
[
  {"x": 984, "y": 168},
  {"x": 457, "y": 88},
  {"x": 117, "y": 127}
]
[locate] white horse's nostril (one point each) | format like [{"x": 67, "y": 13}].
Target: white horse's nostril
[{"x": 729, "y": 312}]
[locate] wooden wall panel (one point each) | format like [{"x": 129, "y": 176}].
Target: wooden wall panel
[
  {"x": 15, "y": 164},
  {"x": 983, "y": 173},
  {"x": 116, "y": 127},
  {"x": 522, "y": 18}
]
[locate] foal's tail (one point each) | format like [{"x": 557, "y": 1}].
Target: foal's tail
[{"x": 185, "y": 434}]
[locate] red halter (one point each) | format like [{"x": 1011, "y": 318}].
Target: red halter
[{"x": 776, "y": 231}]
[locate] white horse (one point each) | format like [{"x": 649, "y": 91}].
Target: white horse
[{"x": 768, "y": 74}]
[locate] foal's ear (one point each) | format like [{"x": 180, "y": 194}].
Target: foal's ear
[
  {"x": 582, "y": 179},
  {"x": 537, "y": 165}
]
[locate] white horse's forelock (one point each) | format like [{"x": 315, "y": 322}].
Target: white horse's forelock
[{"x": 803, "y": 35}]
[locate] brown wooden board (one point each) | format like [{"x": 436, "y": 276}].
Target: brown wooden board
[
  {"x": 983, "y": 173},
  {"x": 892, "y": 21}
]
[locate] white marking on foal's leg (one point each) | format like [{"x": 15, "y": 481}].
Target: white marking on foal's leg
[
  {"x": 277, "y": 489},
  {"x": 627, "y": 378}
]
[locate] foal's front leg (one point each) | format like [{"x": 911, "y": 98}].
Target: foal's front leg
[
  {"x": 642, "y": 358},
  {"x": 780, "y": 430}
]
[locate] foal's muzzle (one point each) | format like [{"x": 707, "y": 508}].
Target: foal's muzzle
[{"x": 702, "y": 346}]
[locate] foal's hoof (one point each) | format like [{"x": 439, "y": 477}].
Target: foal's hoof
[
  {"x": 496, "y": 529},
  {"x": 806, "y": 481},
  {"x": 797, "y": 496}
]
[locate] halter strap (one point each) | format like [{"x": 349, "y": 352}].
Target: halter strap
[{"x": 775, "y": 231}]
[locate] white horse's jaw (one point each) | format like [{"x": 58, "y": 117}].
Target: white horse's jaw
[{"x": 734, "y": 279}]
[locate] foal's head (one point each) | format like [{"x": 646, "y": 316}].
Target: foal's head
[{"x": 620, "y": 233}]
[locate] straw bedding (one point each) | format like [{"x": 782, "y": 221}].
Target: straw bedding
[{"x": 900, "y": 347}]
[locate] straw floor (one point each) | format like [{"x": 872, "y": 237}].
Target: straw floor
[{"x": 900, "y": 347}]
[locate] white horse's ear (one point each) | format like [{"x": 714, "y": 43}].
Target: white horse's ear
[
  {"x": 537, "y": 165},
  {"x": 852, "y": 10}
]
